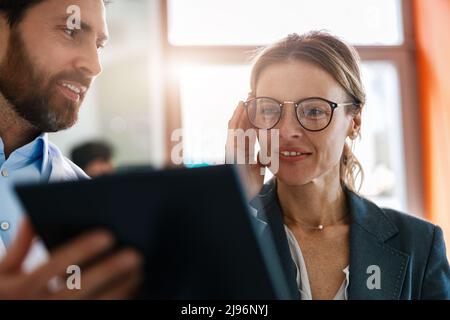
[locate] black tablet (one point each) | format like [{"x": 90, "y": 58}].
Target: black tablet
[{"x": 192, "y": 226}]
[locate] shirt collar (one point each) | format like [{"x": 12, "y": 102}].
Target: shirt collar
[
  {"x": 44, "y": 138},
  {"x": 38, "y": 148}
]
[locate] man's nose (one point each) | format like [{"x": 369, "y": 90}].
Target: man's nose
[{"x": 88, "y": 62}]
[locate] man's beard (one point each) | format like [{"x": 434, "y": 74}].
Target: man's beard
[{"x": 33, "y": 94}]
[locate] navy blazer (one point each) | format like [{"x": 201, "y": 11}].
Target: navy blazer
[{"x": 409, "y": 252}]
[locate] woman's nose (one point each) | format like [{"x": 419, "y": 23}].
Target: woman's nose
[{"x": 288, "y": 126}]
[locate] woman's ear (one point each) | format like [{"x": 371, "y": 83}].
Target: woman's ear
[{"x": 355, "y": 125}]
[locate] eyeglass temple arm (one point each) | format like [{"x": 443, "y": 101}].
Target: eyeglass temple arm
[{"x": 349, "y": 104}]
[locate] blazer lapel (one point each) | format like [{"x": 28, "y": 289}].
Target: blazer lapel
[
  {"x": 371, "y": 256},
  {"x": 271, "y": 225}
]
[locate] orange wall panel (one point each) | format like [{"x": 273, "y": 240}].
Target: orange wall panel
[{"x": 432, "y": 32}]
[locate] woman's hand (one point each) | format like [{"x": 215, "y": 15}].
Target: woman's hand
[{"x": 238, "y": 149}]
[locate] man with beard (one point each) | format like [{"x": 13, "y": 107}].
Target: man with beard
[{"x": 46, "y": 68}]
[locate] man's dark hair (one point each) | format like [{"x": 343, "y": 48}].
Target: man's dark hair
[
  {"x": 85, "y": 153},
  {"x": 15, "y": 9}
]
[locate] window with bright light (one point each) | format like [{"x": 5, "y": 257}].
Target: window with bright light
[
  {"x": 210, "y": 90},
  {"x": 255, "y": 22},
  {"x": 209, "y": 95}
]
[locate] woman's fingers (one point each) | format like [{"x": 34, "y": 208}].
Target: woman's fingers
[
  {"x": 243, "y": 122},
  {"x": 240, "y": 144},
  {"x": 240, "y": 149}
]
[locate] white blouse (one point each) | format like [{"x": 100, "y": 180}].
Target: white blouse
[{"x": 302, "y": 275}]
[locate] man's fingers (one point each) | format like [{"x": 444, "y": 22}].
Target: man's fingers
[
  {"x": 76, "y": 252},
  {"x": 99, "y": 278},
  {"x": 112, "y": 269},
  {"x": 125, "y": 289},
  {"x": 19, "y": 248}
]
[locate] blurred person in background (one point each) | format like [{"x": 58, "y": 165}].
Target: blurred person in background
[{"x": 94, "y": 157}]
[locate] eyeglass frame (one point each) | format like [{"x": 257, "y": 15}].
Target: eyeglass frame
[{"x": 333, "y": 105}]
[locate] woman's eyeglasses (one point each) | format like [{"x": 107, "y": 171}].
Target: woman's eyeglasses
[{"x": 313, "y": 114}]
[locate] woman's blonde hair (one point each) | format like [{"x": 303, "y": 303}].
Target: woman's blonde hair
[{"x": 338, "y": 59}]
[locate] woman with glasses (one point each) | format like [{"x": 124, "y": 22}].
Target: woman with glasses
[{"x": 333, "y": 243}]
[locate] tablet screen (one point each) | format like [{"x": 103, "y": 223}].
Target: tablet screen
[{"x": 192, "y": 226}]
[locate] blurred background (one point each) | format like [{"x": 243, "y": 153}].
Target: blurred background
[{"x": 185, "y": 64}]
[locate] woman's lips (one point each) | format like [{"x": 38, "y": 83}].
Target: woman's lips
[
  {"x": 294, "y": 158},
  {"x": 293, "y": 154}
]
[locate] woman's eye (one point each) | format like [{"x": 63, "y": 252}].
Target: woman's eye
[
  {"x": 315, "y": 112},
  {"x": 269, "y": 111}
]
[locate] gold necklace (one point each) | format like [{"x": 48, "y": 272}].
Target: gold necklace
[{"x": 320, "y": 227}]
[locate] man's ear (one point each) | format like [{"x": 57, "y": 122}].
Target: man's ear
[
  {"x": 4, "y": 35},
  {"x": 3, "y": 21}
]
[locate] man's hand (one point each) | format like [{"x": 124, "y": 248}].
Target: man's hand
[{"x": 116, "y": 276}]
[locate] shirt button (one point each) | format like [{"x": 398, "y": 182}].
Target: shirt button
[
  {"x": 4, "y": 173},
  {"x": 4, "y": 225}
]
